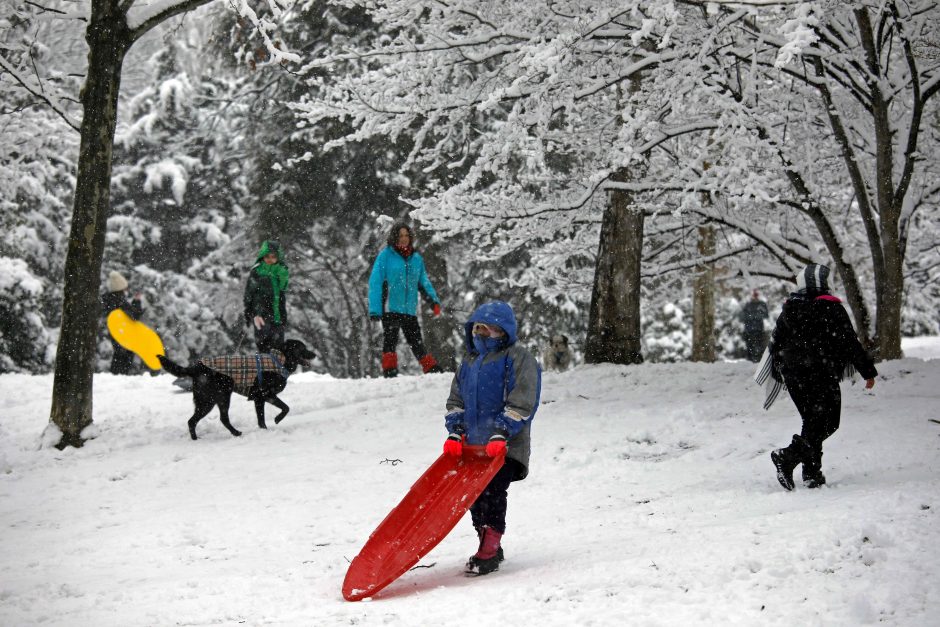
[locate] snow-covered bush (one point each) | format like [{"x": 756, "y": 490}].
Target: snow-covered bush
[
  {"x": 667, "y": 333},
  {"x": 26, "y": 345}
]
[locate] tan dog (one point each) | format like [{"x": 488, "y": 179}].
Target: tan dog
[{"x": 557, "y": 355}]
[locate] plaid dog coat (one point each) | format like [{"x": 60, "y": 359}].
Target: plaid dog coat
[{"x": 246, "y": 370}]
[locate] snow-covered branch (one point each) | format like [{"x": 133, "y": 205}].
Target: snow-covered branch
[
  {"x": 142, "y": 20},
  {"x": 696, "y": 263},
  {"x": 38, "y": 91}
]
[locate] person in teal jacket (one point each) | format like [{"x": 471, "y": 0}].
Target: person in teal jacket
[{"x": 398, "y": 275}]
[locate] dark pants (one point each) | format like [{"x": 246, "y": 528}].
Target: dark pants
[
  {"x": 271, "y": 335},
  {"x": 755, "y": 341},
  {"x": 819, "y": 400},
  {"x": 391, "y": 323},
  {"x": 489, "y": 510},
  {"x": 123, "y": 360}
]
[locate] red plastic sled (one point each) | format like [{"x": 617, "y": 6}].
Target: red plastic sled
[{"x": 433, "y": 506}]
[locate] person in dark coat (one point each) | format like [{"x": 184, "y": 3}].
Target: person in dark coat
[
  {"x": 122, "y": 361},
  {"x": 398, "y": 275},
  {"x": 812, "y": 348},
  {"x": 493, "y": 399},
  {"x": 266, "y": 296},
  {"x": 752, "y": 316}
]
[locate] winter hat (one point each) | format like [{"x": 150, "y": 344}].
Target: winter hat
[
  {"x": 269, "y": 246},
  {"x": 813, "y": 278},
  {"x": 116, "y": 282}
]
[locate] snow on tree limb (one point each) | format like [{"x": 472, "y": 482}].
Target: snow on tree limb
[
  {"x": 143, "y": 16},
  {"x": 36, "y": 89}
]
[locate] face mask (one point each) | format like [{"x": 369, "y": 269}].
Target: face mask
[{"x": 486, "y": 344}]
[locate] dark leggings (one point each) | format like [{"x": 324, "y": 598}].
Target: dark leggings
[
  {"x": 391, "y": 322},
  {"x": 123, "y": 360},
  {"x": 489, "y": 510},
  {"x": 271, "y": 335},
  {"x": 819, "y": 400}
]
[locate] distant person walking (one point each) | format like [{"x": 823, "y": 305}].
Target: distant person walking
[
  {"x": 812, "y": 348},
  {"x": 752, "y": 316},
  {"x": 266, "y": 297},
  {"x": 398, "y": 274},
  {"x": 122, "y": 361}
]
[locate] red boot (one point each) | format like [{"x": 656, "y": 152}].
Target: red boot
[
  {"x": 429, "y": 364},
  {"x": 488, "y": 556},
  {"x": 389, "y": 365}
]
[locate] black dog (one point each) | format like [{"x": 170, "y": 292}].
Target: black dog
[{"x": 259, "y": 377}]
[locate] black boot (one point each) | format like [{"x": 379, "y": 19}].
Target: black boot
[
  {"x": 785, "y": 465},
  {"x": 786, "y": 459},
  {"x": 815, "y": 481},
  {"x": 390, "y": 373},
  {"x": 813, "y": 476}
]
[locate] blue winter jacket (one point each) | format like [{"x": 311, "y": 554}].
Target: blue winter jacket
[
  {"x": 496, "y": 389},
  {"x": 398, "y": 279}
]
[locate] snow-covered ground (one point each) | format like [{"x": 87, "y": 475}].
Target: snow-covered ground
[{"x": 652, "y": 501}]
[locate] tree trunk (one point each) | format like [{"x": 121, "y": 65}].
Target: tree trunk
[
  {"x": 614, "y": 325},
  {"x": 108, "y": 42},
  {"x": 888, "y": 326},
  {"x": 885, "y": 241},
  {"x": 439, "y": 331},
  {"x": 703, "y": 299}
]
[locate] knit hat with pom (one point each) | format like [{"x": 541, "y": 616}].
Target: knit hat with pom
[
  {"x": 116, "y": 282},
  {"x": 813, "y": 278}
]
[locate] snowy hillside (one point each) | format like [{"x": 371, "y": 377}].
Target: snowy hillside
[{"x": 652, "y": 501}]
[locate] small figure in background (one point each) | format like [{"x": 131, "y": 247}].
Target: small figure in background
[
  {"x": 398, "y": 274},
  {"x": 752, "y": 316},
  {"x": 122, "y": 362},
  {"x": 557, "y": 355},
  {"x": 266, "y": 296}
]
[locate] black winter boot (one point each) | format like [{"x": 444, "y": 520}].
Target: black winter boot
[
  {"x": 785, "y": 465},
  {"x": 813, "y": 476},
  {"x": 786, "y": 459},
  {"x": 815, "y": 481}
]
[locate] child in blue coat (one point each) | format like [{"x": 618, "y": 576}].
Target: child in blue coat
[{"x": 493, "y": 398}]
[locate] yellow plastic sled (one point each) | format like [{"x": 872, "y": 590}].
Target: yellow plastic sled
[{"x": 136, "y": 337}]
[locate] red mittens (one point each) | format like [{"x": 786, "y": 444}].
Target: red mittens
[
  {"x": 437, "y": 310},
  {"x": 453, "y": 445},
  {"x": 496, "y": 446}
]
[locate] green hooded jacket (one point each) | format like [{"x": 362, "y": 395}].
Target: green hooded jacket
[{"x": 265, "y": 292}]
